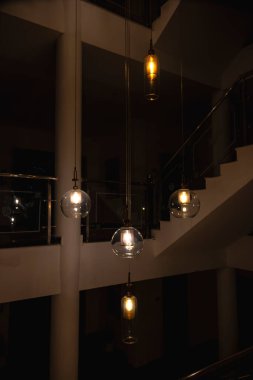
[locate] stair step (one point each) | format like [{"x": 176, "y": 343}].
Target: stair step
[
  {"x": 212, "y": 182},
  {"x": 229, "y": 168},
  {"x": 244, "y": 152},
  {"x": 236, "y": 176}
]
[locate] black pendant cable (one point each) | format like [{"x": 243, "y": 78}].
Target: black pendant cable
[
  {"x": 183, "y": 203},
  {"x": 75, "y": 203},
  {"x": 127, "y": 241}
]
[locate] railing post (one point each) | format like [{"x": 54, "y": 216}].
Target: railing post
[
  {"x": 244, "y": 114},
  {"x": 49, "y": 212},
  {"x": 87, "y": 219},
  {"x": 87, "y": 229}
]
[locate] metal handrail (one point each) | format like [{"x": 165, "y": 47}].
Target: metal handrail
[
  {"x": 49, "y": 195},
  {"x": 203, "y": 121},
  {"x": 209, "y": 114},
  {"x": 92, "y": 181},
  {"x": 219, "y": 364},
  {"x": 27, "y": 176}
]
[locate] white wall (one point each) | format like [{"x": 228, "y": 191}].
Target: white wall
[
  {"x": 28, "y": 272},
  {"x": 46, "y": 13},
  {"x": 239, "y": 254}
]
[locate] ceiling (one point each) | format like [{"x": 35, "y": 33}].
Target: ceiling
[
  {"x": 204, "y": 34},
  {"x": 143, "y": 12}
]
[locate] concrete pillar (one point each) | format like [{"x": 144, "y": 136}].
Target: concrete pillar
[
  {"x": 65, "y": 306},
  {"x": 227, "y": 312}
]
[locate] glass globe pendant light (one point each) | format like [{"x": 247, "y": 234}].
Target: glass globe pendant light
[
  {"x": 129, "y": 314},
  {"x": 127, "y": 241},
  {"x": 75, "y": 203},
  {"x": 183, "y": 203}
]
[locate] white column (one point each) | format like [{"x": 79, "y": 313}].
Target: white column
[
  {"x": 65, "y": 306},
  {"x": 227, "y": 312}
]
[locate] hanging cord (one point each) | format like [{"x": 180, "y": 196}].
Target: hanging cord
[
  {"x": 75, "y": 179},
  {"x": 129, "y": 278},
  {"x": 151, "y": 50},
  {"x": 127, "y": 112},
  {"x": 181, "y": 99},
  {"x": 182, "y": 120},
  {"x": 129, "y": 283}
]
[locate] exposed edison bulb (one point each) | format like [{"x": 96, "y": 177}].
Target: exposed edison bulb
[
  {"x": 127, "y": 239},
  {"x": 184, "y": 196},
  {"x": 151, "y": 66},
  {"x": 76, "y": 197},
  {"x": 129, "y": 306}
]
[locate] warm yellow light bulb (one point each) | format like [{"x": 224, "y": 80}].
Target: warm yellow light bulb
[
  {"x": 151, "y": 67},
  {"x": 184, "y": 196},
  {"x": 129, "y": 305},
  {"x": 76, "y": 197},
  {"x": 127, "y": 239}
]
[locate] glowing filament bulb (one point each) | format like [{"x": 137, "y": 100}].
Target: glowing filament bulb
[
  {"x": 129, "y": 304},
  {"x": 184, "y": 197},
  {"x": 76, "y": 197},
  {"x": 151, "y": 67},
  {"x": 127, "y": 239}
]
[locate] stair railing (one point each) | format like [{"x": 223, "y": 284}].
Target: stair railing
[
  {"x": 26, "y": 203},
  {"x": 237, "y": 366},
  {"x": 195, "y": 150}
]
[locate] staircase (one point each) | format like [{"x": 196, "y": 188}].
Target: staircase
[
  {"x": 237, "y": 366},
  {"x": 226, "y": 211}
]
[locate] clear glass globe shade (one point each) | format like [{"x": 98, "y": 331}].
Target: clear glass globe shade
[
  {"x": 184, "y": 203},
  {"x": 127, "y": 242},
  {"x": 75, "y": 203}
]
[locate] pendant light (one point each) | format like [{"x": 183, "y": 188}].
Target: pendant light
[
  {"x": 128, "y": 314},
  {"x": 183, "y": 203},
  {"x": 151, "y": 69},
  {"x": 127, "y": 241},
  {"x": 75, "y": 203}
]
